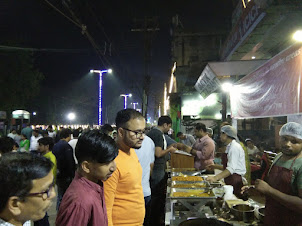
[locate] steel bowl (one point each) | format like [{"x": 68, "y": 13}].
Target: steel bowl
[{"x": 243, "y": 212}]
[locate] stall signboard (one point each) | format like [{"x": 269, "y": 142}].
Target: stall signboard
[
  {"x": 274, "y": 89},
  {"x": 207, "y": 82},
  {"x": 251, "y": 16}
]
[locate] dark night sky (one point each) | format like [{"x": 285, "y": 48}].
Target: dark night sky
[{"x": 34, "y": 24}]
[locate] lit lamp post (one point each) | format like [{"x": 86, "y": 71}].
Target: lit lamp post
[
  {"x": 125, "y": 99},
  {"x": 100, "y": 72},
  {"x": 134, "y": 104},
  {"x": 298, "y": 36}
]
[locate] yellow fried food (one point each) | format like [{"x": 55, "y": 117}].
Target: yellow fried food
[
  {"x": 189, "y": 194},
  {"x": 191, "y": 185},
  {"x": 187, "y": 178}
]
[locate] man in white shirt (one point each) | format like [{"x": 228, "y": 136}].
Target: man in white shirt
[
  {"x": 233, "y": 161},
  {"x": 73, "y": 143},
  {"x": 146, "y": 156},
  {"x": 34, "y": 141},
  {"x": 186, "y": 139}
]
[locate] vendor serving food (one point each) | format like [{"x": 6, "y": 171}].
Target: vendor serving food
[
  {"x": 233, "y": 161},
  {"x": 283, "y": 189}
]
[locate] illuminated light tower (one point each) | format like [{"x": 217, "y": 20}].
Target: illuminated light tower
[
  {"x": 125, "y": 99},
  {"x": 71, "y": 116},
  {"x": 100, "y": 72},
  {"x": 134, "y": 104}
]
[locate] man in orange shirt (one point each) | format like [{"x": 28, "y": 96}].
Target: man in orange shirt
[{"x": 123, "y": 190}]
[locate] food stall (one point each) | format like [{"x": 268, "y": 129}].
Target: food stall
[{"x": 190, "y": 196}]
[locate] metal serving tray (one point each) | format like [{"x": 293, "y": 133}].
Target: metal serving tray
[
  {"x": 190, "y": 184},
  {"x": 192, "y": 191}
]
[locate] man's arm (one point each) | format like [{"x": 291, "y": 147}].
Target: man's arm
[
  {"x": 73, "y": 215},
  {"x": 192, "y": 140},
  {"x": 109, "y": 191},
  {"x": 159, "y": 152},
  {"x": 219, "y": 176},
  {"x": 69, "y": 160},
  {"x": 206, "y": 152},
  {"x": 293, "y": 203}
]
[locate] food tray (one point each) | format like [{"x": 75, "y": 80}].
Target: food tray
[
  {"x": 190, "y": 184},
  {"x": 183, "y": 169},
  {"x": 183, "y": 173},
  {"x": 180, "y": 193},
  {"x": 187, "y": 178}
]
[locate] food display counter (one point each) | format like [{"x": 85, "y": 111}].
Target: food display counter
[{"x": 190, "y": 196}]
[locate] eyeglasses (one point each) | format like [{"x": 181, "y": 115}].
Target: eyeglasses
[
  {"x": 44, "y": 194},
  {"x": 138, "y": 134}
]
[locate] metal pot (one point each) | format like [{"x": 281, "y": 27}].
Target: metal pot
[
  {"x": 259, "y": 213},
  {"x": 204, "y": 222},
  {"x": 243, "y": 212}
]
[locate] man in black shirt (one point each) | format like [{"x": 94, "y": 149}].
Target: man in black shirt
[
  {"x": 65, "y": 163},
  {"x": 158, "y": 176}
]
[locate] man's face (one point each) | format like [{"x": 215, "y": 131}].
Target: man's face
[
  {"x": 133, "y": 133},
  {"x": 250, "y": 144},
  {"x": 35, "y": 207},
  {"x": 291, "y": 146},
  {"x": 42, "y": 148},
  {"x": 167, "y": 127},
  {"x": 35, "y": 134},
  {"x": 102, "y": 171},
  {"x": 182, "y": 137},
  {"x": 198, "y": 133},
  {"x": 223, "y": 137}
]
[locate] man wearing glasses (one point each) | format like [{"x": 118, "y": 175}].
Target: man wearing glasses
[
  {"x": 26, "y": 190},
  {"x": 123, "y": 190}
]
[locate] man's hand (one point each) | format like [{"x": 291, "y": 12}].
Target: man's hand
[
  {"x": 171, "y": 149},
  {"x": 211, "y": 167},
  {"x": 262, "y": 186},
  {"x": 211, "y": 179}
]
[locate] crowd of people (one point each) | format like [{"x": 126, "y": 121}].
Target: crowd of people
[{"x": 117, "y": 176}]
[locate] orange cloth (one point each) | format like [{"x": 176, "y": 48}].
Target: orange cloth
[{"x": 124, "y": 193}]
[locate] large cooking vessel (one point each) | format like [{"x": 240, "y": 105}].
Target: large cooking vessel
[
  {"x": 204, "y": 222},
  {"x": 243, "y": 212},
  {"x": 259, "y": 213}
]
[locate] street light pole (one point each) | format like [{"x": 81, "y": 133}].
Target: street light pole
[
  {"x": 125, "y": 99},
  {"x": 100, "y": 72},
  {"x": 134, "y": 104}
]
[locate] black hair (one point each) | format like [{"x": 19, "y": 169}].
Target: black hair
[
  {"x": 76, "y": 133},
  {"x": 179, "y": 134},
  {"x": 6, "y": 144},
  {"x": 164, "y": 119},
  {"x": 95, "y": 146},
  {"x": 64, "y": 133},
  {"x": 106, "y": 128},
  {"x": 17, "y": 171},
  {"x": 126, "y": 115},
  {"x": 201, "y": 126},
  {"x": 47, "y": 141}
]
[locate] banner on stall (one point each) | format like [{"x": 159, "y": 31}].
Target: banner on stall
[{"x": 274, "y": 89}]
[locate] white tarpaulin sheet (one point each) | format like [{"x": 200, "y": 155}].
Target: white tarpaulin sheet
[{"x": 272, "y": 90}]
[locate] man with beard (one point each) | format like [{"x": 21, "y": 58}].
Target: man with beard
[
  {"x": 123, "y": 190},
  {"x": 283, "y": 189}
]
